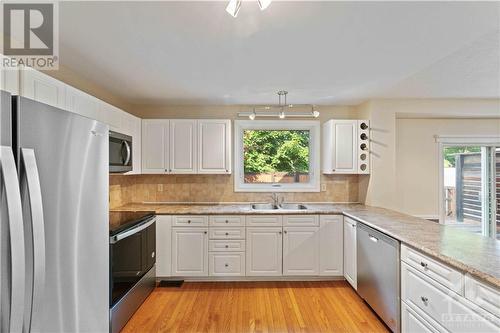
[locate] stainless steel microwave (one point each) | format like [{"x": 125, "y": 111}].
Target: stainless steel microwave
[{"x": 120, "y": 152}]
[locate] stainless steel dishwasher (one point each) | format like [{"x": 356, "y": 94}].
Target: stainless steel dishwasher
[{"x": 378, "y": 274}]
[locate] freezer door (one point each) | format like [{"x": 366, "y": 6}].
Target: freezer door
[{"x": 72, "y": 158}]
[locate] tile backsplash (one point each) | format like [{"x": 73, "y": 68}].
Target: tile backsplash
[{"x": 217, "y": 188}]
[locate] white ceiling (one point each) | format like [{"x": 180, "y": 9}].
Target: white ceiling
[{"x": 321, "y": 52}]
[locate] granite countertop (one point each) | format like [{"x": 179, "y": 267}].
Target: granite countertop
[{"x": 471, "y": 253}]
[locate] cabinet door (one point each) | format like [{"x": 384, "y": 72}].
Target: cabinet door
[
  {"x": 331, "y": 245},
  {"x": 155, "y": 147},
  {"x": 81, "y": 103},
  {"x": 214, "y": 146},
  {"x": 350, "y": 272},
  {"x": 9, "y": 78},
  {"x": 340, "y": 146},
  {"x": 163, "y": 245},
  {"x": 182, "y": 146},
  {"x": 136, "y": 133},
  {"x": 300, "y": 251},
  {"x": 42, "y": 88},
  {"x": 264, "y": 251},
  {"x": 190, "y": 251}
]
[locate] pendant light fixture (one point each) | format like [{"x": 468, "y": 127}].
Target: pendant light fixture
[
  {"x": 233, "y": 7},
  {"x": 282, "y": 110}
]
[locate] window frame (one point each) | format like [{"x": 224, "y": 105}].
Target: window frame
[
  {"x": 314, "y": 155},
  {"x": 444, "y": 141}
]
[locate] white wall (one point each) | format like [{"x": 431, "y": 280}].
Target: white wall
[
  {"x": 404, "y": 154},
  {"x": 417, "y": 158}
]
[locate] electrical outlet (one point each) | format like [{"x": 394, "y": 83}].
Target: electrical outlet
[
  {"x": 323, "y": 187},
  {"x": 160, "y": 187}
]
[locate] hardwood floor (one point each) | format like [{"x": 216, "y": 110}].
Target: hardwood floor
[{"x": 255, "y": 307}]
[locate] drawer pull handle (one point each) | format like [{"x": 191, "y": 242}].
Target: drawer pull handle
[
  {"x": 423, "y": 264},
  {"x": 227, "y": 246},
  {"x": 424, "y": 299},
  {"x": 226, "y": 265}
]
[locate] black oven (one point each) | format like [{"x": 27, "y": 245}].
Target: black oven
[
  {"x": 132, "y": 246},
  {"x": 120, "y": 152}
]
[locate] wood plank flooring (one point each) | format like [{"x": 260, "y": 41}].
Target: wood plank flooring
[{"x": 331, "y": 306}]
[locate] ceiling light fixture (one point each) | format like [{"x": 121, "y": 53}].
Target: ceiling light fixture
[
  {"x": 233, "y": 7},
  {"x": 278, "y": 111},
  {"x": 263, "y": 4}
]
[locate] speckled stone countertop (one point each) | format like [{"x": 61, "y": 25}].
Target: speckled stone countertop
[{"x": 471, "y": 253}]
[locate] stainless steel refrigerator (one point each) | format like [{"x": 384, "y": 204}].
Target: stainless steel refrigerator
[{"x": 54, "y": 219}]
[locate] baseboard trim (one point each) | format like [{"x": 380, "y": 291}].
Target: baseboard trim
[{"x": 251, "y": 278}]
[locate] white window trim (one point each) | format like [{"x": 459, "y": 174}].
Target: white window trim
[
  {"x": 314, "y": 150},
  {"x": 456, "y": 140}
]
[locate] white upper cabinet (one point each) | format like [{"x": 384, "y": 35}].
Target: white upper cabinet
[
  {"x": 136, "y": 146},
  {"x": 186, "y": 146},
  {"x": 81, "y": 103},
  {"x": 155, "y": 145},
  {"x": 214, "y": 146},
  {"x": 300, "y": 251},
  {"x": 339, "y": 146},
  {"x": 182, "y": 146},
  {"x": 345, "y": 147},
  {"x": 42, "y": 88},
  {"x": 9, "y": 78},
  {"x": 331, "y": 245}
]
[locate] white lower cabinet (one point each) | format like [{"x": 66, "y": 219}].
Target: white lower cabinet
[
  {"x": 331, "y": 245},
  {"x": 190, "y": 251},
  {"x": 163, "y": 245},
  {"x": 300, "y": 251},
  {"x": 264, "y": 251},
  {"x": 227, "y": 263},
  {"x": 350, "y": 269},
  {"x": 430, "y": 305}
]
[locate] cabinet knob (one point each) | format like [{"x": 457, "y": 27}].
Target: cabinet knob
[
  {"x": 189, "y": 221},
  {"x": 285, "y": 231},
  {"x": 227, "y": 246},
  {"x": 333, "y": 170},
  {"x": 166, "y": 170},
  {"x": 226, "y": 265},
  {"x": 424, "y": 299},
  {"x": 423, "y": 264},
  {"x": 227, "y": 233},
  {"x": 227, "y": 221},
  {"x": 227, "y": 170},
  {"x": 279, "y": 232}
]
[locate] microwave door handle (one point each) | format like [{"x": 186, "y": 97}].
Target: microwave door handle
[
  {"x": 31, "y": 195},
  {"x": 127, "y": 148},
  {"x": 12, "y": 314},
  {"x": 116, "y": 238}
]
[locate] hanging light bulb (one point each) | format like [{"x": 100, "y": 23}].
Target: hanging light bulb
[
  {"x": 252, "y": 115},
  {"x": 282, "y": 114},
  {"x": 233, "y": 7},
  {"x": 263, "y": 4}
]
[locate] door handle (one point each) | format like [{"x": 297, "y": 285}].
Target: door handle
[
  {"x": 13, "y": 316},
  {"x": 34, "y": 228}
]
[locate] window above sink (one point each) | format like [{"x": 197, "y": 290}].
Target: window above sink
[{"x": 277, "y": 156}]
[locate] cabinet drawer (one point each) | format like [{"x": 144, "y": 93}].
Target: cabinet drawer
[
  {"x": 227, "y": 221},
  {"x": 483, "y": 295},
  {"x": 226, "y": 246},
  {"x": 450, "y": 310},
  {"x": 226, "y": 264},
  {"x": 301, "y": 220},
  {"x": 192, "y": 221},
  {"x": 413, "y": 322},
  {"x": 264, "y": 221},
  {"x": 227, "y": 233},
  {"x": 442, "y": 273}
]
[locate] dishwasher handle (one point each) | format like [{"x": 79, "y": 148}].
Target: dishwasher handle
[{"x": 373, "y": 238}]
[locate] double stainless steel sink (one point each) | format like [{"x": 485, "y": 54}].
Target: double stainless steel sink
[{"x": 284, "y": 206}]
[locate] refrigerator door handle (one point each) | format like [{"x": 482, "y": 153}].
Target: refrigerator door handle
[
  {"x": 31, "y": 195},
  {"x": 13, "y": 284}
]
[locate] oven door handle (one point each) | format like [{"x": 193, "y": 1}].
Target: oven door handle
[{"x": 130, "y": 232}]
